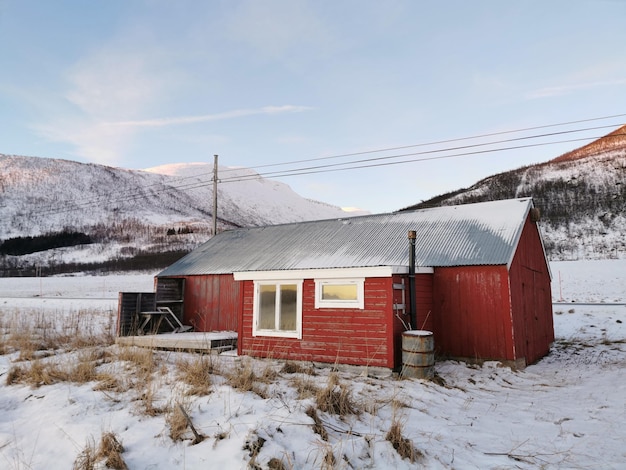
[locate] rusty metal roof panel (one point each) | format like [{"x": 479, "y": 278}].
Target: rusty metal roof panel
[{"x": 472, "y": 234}]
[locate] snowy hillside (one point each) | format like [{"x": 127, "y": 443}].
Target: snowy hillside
[
  {"x": 581, "y": 195},
  {"x": 245, "y": 198},
  {"x": 125, "y": 213}
]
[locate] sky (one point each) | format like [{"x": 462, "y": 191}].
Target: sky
[{"x": 263, "y": 84}]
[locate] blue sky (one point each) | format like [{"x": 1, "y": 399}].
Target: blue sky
[{"x": 140, "y": 83}]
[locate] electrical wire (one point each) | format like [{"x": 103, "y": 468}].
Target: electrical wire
[
  {"x": 357, "y": 163},
  {"x": 386, "y": 160}
]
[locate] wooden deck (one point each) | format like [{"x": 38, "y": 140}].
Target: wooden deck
[{"x": 213, "y": 342}]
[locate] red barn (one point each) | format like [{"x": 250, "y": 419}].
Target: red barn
[{"x": 341, "y": 291}]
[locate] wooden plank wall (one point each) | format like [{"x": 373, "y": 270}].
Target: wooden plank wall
[
  {"x": 531, "y": 297},
  {"x": 212, "y": 302},
  {"x": 473, "y": 313},
  {"x": 345, "y": 336}
]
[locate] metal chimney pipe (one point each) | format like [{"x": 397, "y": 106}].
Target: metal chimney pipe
[{"x": 412, "y": 299}]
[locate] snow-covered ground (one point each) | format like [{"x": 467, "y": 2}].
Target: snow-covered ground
[{"x": 567, "y": 411}]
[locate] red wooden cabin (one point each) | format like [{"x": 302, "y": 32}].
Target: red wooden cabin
[{"x": 338, "y": 290}]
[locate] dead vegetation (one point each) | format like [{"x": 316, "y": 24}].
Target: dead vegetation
[
  {"x": 35, "y": 336},
  {"x": 403, "y": 445},
  {"x": 196, "y": 372},
  {"x": 108, "y": 452},
  {"x": 176, "y": 420},
  {"x": 318, "y": 426},
  {"x": 243, "y": 378},
  {"x": 49, "y": 357},
  {"x": 291, "y": 367},
  {"x": 336, "y": 398}
]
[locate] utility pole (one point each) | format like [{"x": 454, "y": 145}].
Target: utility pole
[{"x": 215, "y": 195}]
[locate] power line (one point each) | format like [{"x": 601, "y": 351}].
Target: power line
[
  {"x": 426, "y": 144},
  {"x": 366, "y": 163},
  {"x": 441, "y": 157},
  {"x": 298, "y": 171},
  {"x": 127, "y": 196},
  {"x": 446, "y": 141}
]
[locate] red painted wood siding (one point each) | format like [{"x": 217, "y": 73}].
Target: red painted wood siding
[
  {"x": 487, "y": 312},
  {"x": 472, "y": 313},
  {"x": 212, "y": 302},
  {"x": 531, "y": 297},
  {"x": 346, "y": 336},
  {"x": 371, "y": 336}
]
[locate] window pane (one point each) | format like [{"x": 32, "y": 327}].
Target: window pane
[
  {"x": 288, "y": 307},
  {"x": 267, "y": 307},
  {"x": 339, "y": 292}
]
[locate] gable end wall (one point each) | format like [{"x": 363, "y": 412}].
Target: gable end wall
[
  {"x": 472, "y": 318},
  {"x": 531, "y": 297}
]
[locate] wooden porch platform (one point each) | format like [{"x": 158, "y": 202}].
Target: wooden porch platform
[{"x": 213, "y": 342}]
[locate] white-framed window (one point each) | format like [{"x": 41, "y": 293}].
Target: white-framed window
[
  {"x": 277, "y": 309},
  {"x": 340, "y": 293}
]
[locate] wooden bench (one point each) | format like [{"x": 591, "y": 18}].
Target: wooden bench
[{"x": 155, "y": 319}]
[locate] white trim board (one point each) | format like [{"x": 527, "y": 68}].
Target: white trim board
[{"x": 328, "y": 273}]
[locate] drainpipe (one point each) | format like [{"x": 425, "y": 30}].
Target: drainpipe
[{"x": 412, "y": 300}]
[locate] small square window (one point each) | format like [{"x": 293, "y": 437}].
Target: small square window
[{"x": 340, "y": 293}]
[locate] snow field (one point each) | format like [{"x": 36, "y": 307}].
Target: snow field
[{"x": 567, "y": 411}]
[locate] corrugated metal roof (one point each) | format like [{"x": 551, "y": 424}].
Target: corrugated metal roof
[{"x": 472, "y": 234}]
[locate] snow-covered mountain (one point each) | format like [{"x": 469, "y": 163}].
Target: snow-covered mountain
[
  {"x": 81, "y": 216},
  {"x": 125, "y": 213},
  {"x": 581, "y": 195}
]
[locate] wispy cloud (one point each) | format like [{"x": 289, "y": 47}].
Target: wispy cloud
[
  {"x": 113, "y": 83},
  {"x": 549, "y": 92},
  {"x": 181, "y": 120}
]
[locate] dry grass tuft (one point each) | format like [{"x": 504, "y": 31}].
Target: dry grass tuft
[
  {"x": 109, "y": 452},
  {"x": 330, "y": 461},
  {"x": 15, "y": 375},
  {"x": 86, "y": 460},
  {"x": 32, "y": 335},
  {"x": 142, "y": 358},
  {"x": 34, "y": 374},
  {"x": 276, "y": 464},
  {"x": 305, "y": 386},
  {"x": 196, "y": 373},
  {"x": 244, "y": 379},
  {"x": 38, "y": 373},
  {"x": 268, "y": 375},
  {"x": 336, "y": 398},
  {"x": 403, "y": 446},
  {"x": 177, "y": 421},
  {"x": 318, "y": 426},
  {"x": 291, "y": 367},
  {"x": 180, "y": 423},
  {"x": 108, "y": 382},
  {"x": 148, "y": 400}
]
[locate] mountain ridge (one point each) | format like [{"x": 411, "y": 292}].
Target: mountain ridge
[
  {"x": 127, "y": 213},
  {"x": 615, "y": 140},
  {"x": 581, "y": 195},
  {"x": 166, "y": 210}
]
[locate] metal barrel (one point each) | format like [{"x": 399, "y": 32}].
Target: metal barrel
[{"x": 418, "y": 354}]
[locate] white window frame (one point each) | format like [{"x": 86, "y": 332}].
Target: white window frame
[
  {"x": 297, "y": 333},
  {"x": 358, "y": 303}
]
